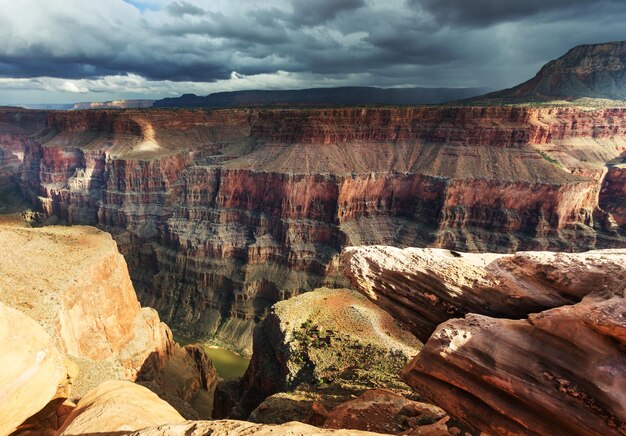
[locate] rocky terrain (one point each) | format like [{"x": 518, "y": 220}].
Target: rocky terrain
[
  {"x": 323, "y": 346},
  {"x": 531, "y": 343},
  {"x": 222, "y": 213},
  {"x": 77, "y": 304},
  {"x": 586, "y": 71}
]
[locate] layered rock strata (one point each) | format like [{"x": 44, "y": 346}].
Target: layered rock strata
[
  {"x": 222, "y": 213},
  {"x": 557, "y": 367},
  {"x": 559, "y": 372}
]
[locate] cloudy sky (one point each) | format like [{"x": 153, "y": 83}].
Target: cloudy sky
[{"x": 61, "y": 51}]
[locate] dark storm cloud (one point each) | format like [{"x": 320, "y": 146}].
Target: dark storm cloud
[
  {"x": 488, "y": 12},
  {"x": 393, "y": 42},
  {"x": 181, "y": 8},
  {"x": 307, "y": 12}
]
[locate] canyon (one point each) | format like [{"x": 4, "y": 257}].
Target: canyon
[{"x": 221, "y": 213}]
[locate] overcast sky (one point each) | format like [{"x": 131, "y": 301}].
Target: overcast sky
[{"x": 61, "y": 51}]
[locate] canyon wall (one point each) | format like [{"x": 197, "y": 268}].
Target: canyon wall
[{"x": 222, "y": 213}]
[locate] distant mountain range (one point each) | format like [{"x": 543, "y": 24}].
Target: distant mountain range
[
  {"x": 344, "y": 96},
  {"x": 586, "y": 71}
]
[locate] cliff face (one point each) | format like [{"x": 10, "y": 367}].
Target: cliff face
[
  {"x": 222, "y": 213},
  {"x": 75, "y": 284}
]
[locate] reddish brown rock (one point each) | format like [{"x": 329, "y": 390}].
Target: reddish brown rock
[
  {"x": 560, "y": 372},
  {"x": 383, "y": 411},
  {"x": 558, "y": 368},
  {"x": 222, "y": 213}
]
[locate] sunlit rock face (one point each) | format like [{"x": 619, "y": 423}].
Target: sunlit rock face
[
  {"x": 222, "y": 213},
  {"x": 74, "y": 282},
  {"x": 33, "y": 370},
  {"x": 531, "y": 343},
  {"x": 424, "y": 287}
]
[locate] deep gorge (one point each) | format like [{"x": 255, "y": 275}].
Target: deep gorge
[{"x": 219, "y": 214}]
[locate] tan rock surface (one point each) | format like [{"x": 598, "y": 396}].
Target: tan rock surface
[
  {"x": 242, "y": 428},
  {"x": 75, "y": 283},
  {"x": 33, "y": 370},
  {"x": 425, "y": 287},
  {"x": 118, "y": 406}
]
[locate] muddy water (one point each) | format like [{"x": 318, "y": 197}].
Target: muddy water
[{"x": 227, "y": 363}]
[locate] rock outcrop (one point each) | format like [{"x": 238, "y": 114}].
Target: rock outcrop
[
  {"x": 557, "y": 367},
  {"x": 325, "y": 346},
  {"x": 125, "y": 408},
  {"x": 586, "y": 71},
  {"x": 243, "y": 428},
  {"x": 75, "y": 284},
  {"x": 384, "y": 411},
  {"x": 33, "y": 370},
  {"x": 559, "y": 372},
  {"x": 118, "y": 407},
  {"x": 220, "y": 214},
  {"x": 425, "y": 287}
]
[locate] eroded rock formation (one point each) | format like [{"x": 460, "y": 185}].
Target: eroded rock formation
[
  {"x": 425, "y": 287},
  {"x": 586, "y": 71},
  {"x": 322, "y": 346},
  {"x": 558, "y": 367},
  {"x": 75, "y": 284},
  {"x": 116, "y": 407}
]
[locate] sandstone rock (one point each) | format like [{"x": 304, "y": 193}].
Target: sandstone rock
[
  {"x": 425, "y": 287},
  {"x": 118, "y": 406},
  {"x": 235, "y": 428},
  {"x": 560, "y": 372},
  {"x": 383, "y": 411},
  {"x": 74, "y": 282},
  {"x": 33, "y": 371},
  {"x": 323, "y": 346}
]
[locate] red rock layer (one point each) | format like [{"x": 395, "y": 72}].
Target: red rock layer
[{"x": 221, "y": 213}]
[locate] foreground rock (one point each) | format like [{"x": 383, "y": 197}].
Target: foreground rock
[
  {"x": 325, "y": 346},
  {"x": 560, "y": 372},
  {"x": 74, "y": 283},
  {"x": 383, "y": 411},
  {"x": 560, "y": 369},
  {"x": 33, "y": 371},
  {"x": 425, "y": 287},
  {"x": 118, "y": 406},
  {"x": 242, "y": 428}
]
